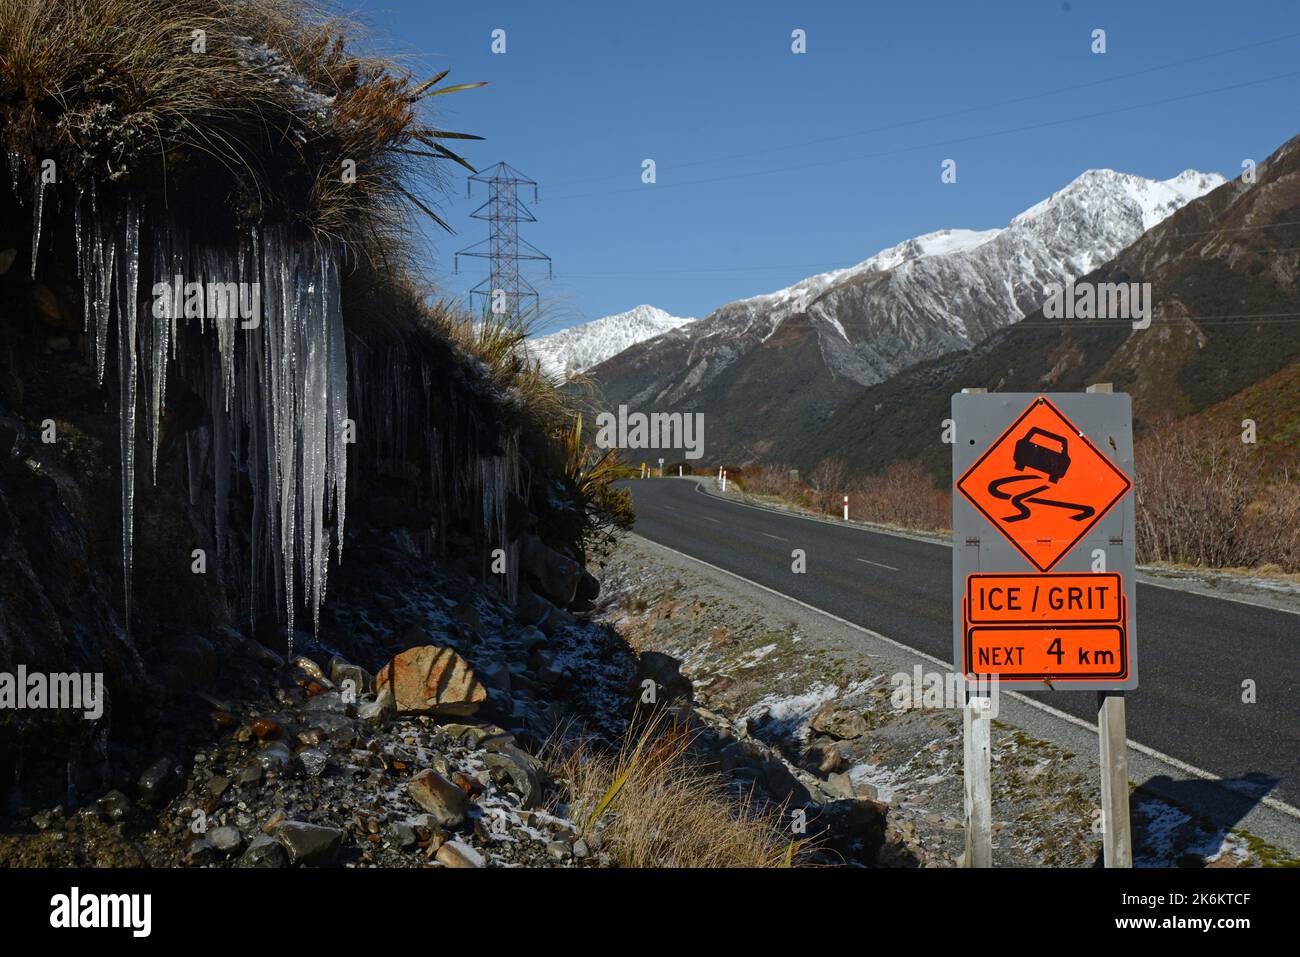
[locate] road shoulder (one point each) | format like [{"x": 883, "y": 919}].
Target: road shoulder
[{"x": 824, "y": 691}]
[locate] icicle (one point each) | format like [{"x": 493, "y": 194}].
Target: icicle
[
  {"x": 128, "y": 282},
  {"x": 82, "y": 271},
  {"x": 165, "y": 262},
  {"x": 15, "y": 164},
  {"x": 284, "y": 382},
  {"x": 102, "y": 256},
  {"x": 38, "y": 207}
]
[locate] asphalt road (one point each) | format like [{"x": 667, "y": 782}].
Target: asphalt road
[{"x": 1195, "y": 650}]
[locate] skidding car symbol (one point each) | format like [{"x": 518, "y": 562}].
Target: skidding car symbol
[{"x": 1051, "y": 462}]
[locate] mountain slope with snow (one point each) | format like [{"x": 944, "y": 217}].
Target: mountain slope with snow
[
  {"x": 776, "y": 364},
  {"x": 1212, "y": 258},
  {"x": 578, "y": 348}
]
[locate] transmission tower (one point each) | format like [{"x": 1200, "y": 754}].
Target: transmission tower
[{"x": 505, "y": 289}]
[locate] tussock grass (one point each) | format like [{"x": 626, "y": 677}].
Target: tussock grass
[
  {"x": 233, "y": 113},
  {"x": 653, "y": 805},
  {"x": 266, "y": 113}
]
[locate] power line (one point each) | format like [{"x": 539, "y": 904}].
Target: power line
[
  {"x": 948, "y": 115},
  {"x": 949, "y": 142},
  {"x": 685, "y": 272},
  {"x": 505, "y": 288}
]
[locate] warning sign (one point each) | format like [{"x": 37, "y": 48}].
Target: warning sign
[
  {"x": 1053, "y": 627},
  {"x": 1043, "y": 587},
  {"x": 1043, "y": 484},
  {"x": 1024, "y": 599}
]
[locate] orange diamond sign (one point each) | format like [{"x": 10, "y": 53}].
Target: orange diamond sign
[{"x": 1043, "y": 485}]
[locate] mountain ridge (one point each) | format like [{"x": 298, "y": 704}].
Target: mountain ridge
[
  {"x": 775, "y": 365},
  {"x": 1225, "y": 275},
  {"x": 578, "y": 348}
]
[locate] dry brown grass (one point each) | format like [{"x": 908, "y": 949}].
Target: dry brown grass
[
  {"x": 1203, "y": 500},
  {"x": 267, "y": 114},
  {"x": 653, "y": 805},
  {"x": 904, "y": 496}
]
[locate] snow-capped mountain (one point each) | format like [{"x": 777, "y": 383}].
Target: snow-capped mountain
[
  {"x": 578, "y": 348},
  {"x": 782, "y": 360}
]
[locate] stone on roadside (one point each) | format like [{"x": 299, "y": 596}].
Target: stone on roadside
[
  {"x": 665, "y": 671},
  {"x": 380, "y": 710},
  {"x": 446, "y": 802},
  {"x": 309, "y": 845},
  {"x": 507, "y": 758},
  {"x": 225, "y": 839},
  {"x": 459, "y": 854},
  {"x": 158, "y": 781},
  {"x": 839, "y": 723},
  {"x": 402, "y": 834},
  {"x": 432, "y": 680},
  {"x": 553, "y": 575},
  {"x": 313, "y": 761},
  {"x": 264, "y": 852},
  {"x": 342, "y": 672}
]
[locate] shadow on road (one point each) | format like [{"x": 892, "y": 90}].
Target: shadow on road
[{"x": 1181, "y": 822}]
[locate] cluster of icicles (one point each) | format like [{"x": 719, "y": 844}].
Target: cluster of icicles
[
  {"x": 272, "y": 395},
  {"x": 277, "y": 383}
]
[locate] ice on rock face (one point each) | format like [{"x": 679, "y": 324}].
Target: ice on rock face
[
  {"x": 262, "y": 401},
  {"x": 127, "y": 278},
  {"x": 282, "y": 376},
  {"x": 38, "y": 208}
]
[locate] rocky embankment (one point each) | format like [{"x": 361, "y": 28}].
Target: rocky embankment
[
  {"x": 416, "y": 730},
  {"x": 795, "y": 687}
]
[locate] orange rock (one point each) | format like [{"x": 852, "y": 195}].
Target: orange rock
[
  {"x": 265, "y": 728},
  {"x": 432, "y": 680}
]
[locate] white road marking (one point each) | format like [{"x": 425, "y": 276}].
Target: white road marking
[
  {"x": 777, "y": 537},
  {"x": 1239, "y": 601},
  {"x": 713, "y": 520},
  {"x": 1144, "y": 578},
  {"x": 867, "y": 561},
  {"x": 1173, "y": 762}
]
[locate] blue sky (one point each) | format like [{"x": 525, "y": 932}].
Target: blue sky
[{"x": 772, "y": 166}]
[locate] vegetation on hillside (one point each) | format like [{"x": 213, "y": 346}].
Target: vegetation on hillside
[
  {"x": 239, "y": 140},
  {"x": 1224, "y": 347}
]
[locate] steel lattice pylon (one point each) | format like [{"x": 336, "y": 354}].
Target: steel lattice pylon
[{"x": 503, "y": 248}]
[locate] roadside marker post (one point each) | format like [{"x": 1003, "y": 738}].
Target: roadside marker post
[
  {"x": 977, "y": 761},
  {"x": 724, "y": 480},
  {"x": 1112, "y": 735},
  {"x": 1049, "y": 602},
  {"x": 977, "y": 750},
  {"x": 846, "y": 508}
]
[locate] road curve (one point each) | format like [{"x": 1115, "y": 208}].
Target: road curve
[{"x": 1196, "y": 650}]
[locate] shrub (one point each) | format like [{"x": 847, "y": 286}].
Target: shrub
[{"x": 1202, "y": 500}]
